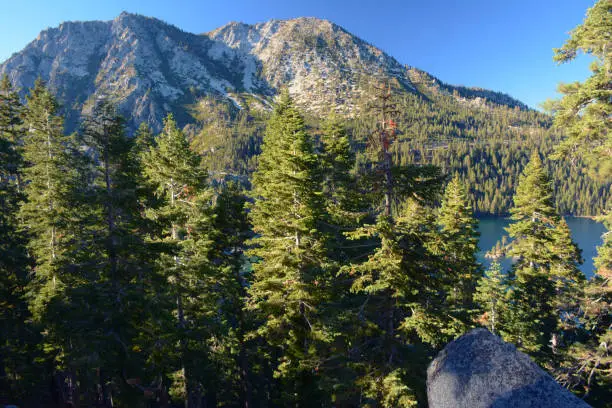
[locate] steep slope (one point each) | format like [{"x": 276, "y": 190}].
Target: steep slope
[
  {"x": 320, "y": 63},
  {"x": 151, "y": 68}
]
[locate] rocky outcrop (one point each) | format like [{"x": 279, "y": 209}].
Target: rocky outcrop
[
  {"x": 150, "y": 68},
  {"x": 480, "y": 370},
  {"x": 147, "y": 67}
]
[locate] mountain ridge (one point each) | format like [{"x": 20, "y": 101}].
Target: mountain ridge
[{"x": 151, "y": 68}]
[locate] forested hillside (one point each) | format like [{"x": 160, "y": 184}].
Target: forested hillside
[
  {"x": 487, "y": 144},
  {"x": 262, "y": 254}
]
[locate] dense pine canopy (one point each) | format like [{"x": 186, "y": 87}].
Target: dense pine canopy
[{"x": 274, "y": 259}]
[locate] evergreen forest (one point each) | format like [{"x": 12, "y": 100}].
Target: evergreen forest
[{"x": 276, "y": 259}]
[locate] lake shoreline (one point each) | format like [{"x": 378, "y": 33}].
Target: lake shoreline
[
  {"x": 507, "y": 217},
  {"x": 586, "y": 232}
]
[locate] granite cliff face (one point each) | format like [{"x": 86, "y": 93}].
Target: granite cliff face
[
  {"x": 320, "y": 63},
  {"x": 147, "y": 66},
  {"x": 151, "y": 68}
]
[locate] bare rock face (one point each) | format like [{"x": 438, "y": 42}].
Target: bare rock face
[
  {"x": 480, "y": 370},
  {"x": 150, "y": 68}
]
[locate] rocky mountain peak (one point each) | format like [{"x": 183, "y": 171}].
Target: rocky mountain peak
[{"x": 150, "y": 68}]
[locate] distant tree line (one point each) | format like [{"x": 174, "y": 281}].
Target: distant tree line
[{"x": 487, "y": 145}]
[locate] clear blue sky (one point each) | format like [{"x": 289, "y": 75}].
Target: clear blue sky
[{"x": 503, "y": 45}]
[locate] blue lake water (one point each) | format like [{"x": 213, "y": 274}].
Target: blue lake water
[{"x": 585, "y": 232}]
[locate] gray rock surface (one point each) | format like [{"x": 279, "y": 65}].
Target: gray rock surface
[
  {"x": 480, "y": 370},
  {"x": 151, "y": 68}
]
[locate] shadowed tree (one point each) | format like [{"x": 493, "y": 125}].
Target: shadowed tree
[{"x": 583, "y": 113}]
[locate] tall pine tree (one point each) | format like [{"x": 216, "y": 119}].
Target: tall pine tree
[
  {"x": 11, "y": 129},
  {"x": 288, "y": 285},
  {"x": 14, "y": 262},
  {"x": 546, "y": 262},
  {"x": 237, "y": 356},
  {"x": 459, "y": 230},
  {"x": 583, "y": 113},
  {"x": 184, "y": 215},
  {"x": 50, "y": 217},
  {"x": 110, "y": 304},
  {"x": 400, "y": 274}
]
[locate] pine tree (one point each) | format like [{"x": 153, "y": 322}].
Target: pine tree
[
  {"x": 143, "y": 143},
  {"x": 568, "y": 278},
  {"x": 398, "y": 283},
  {"x": 345, "y": 207},
  {"x": 584, "y": 115},
  {"x": 231, "y": 230},
  {"x": 288, "y": 284},
  {"x": 584, "y": 111},
  {"x": 14, "y": 262},
  {"x": 114, "y": 260},
  {"x": 404, "y": 307},
  {"x": 596, "y": 352},
  {"x": 585, "y": 367},
  {"x": 430, "y": 316},
  {"x": 545, "y": 259},
  {"x": 11, "y": 129},
  {"x": 50, "y": 177},
  {"x": 184, "y": 215},
  {"x": 492, "y": 296},
  {"x": 345, "y": 210},
  {"x": 459, "y": 229},
  {"x": 384, "y": 282},
  {"x": 381, "y": 140},
  {"x": 533, "y": 217},
  {"x": 338, "y": 163},
  {"x": 50, "y": 218}
]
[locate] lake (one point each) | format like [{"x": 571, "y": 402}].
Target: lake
[{"x": 585, "y": 232}]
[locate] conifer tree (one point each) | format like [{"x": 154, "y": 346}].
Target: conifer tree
[
  {"x": 399, "y": 310},
  {"x": 49, "y": 173},
  {"x": 592, "y": 358},
  {"x": 288, "y": 284},
  {"x": 492, "y": 296},
  {"x": 11, "y": 129},
  {"x": 584, "y": 115},
  {"x": 459, "y": 229},
  {"x": 429, "y": 314},
  {"x": 14, "y": 262},
  {"x": 338, "y": 162},
  {"x": 345, "y": 207},
  {"x": 50, "y": 218},
  {"x": 144, "y": 138},
  {"x": 585, "y": 367},
  {"x": 143, "y": 143},
  {"x": 114, "y": 259},
  {"x": 567, "y": 276},
  {"x": 231, "y": 230},
  {"x": 184, "y": 215},
  {"x": 584, "y": 111},
  {"x": 401, "y": 301},
  {"x": 345, "y": 210},
  {"x": 545, "y": 258}
]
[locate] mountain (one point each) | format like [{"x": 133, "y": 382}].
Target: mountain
[
  {"x": 151, "y": 68},
  {"x": 221, "y": 84}
]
